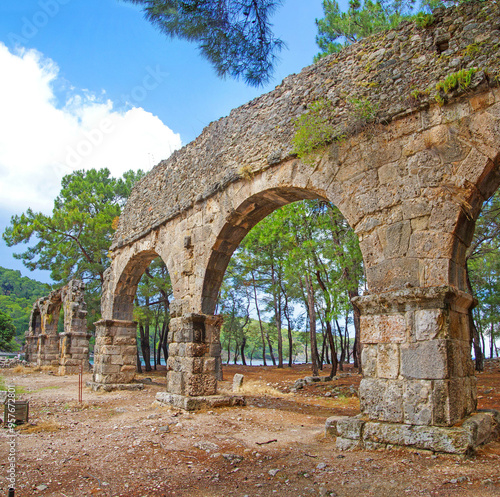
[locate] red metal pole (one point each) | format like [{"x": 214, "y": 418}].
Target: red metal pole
[{"x": 80, "y": 384}]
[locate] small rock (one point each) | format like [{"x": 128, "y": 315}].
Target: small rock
[
  {"x": 164, "y": 429},
  {"x": 41, "y": 488},
  {"x": 237, "y": 382},
  {"x": 206, "y": 446},
  {"x": 233, "y": 458},
  {"x": 321, "y": 465},
  {"x": 273, "y": 472},
  {"x": 120, "y": 409}
]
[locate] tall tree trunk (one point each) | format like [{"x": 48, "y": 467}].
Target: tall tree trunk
[
  {"x": 356, "y": 351},
  {"x": 270, "y": 345},
  {"x": 277, "y": 314},
  {"x": 260, "y": 321},
  {"x": 146, "y": 351},
  {"x": 289, "y": 331},
  {"x": 242, "y": 348},
  {"x": 342, "y": 347},
  {"x": 492, "y": 340},
  {"x": 154, "y": 343},
  {"x": 474, "y": 335},
  {"x": 312, "y": 324},
  {"x": 139, "y": 368},
  {"x": 332, "y": 348}
]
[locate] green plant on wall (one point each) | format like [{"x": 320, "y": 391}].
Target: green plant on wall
[
  {"x": 313, "y": 129},
  {"x": 461, "y": 79},
  {"x": 363, "y": 110}
]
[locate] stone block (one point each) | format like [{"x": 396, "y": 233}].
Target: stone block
[
  {"x": 128, "y": 368},
  {"x": 425, "y": 360},
  {"x": 109, "y": 369},
  {"x": 395, "y": 239},
  {"x": 369, "y": 360},
  {"x": 429, "y": 324},
  {"x": 417, "y": 402},
  {"x": 388, "y": 361},
  {"x": 209, "y": 365},
  {"x": 382, "y": 399},
  {"x": 201, "y": 384},
  {"x": 347, "y": 444},
  {"x": 350, "y": 427},
  {"x": 117, "y": 359},
  {"x": 125, "y": 340},
  {"x": 196, "y": 349},
  {"x": 111, "y": 349},
  {"x": 175, "y": 382},
  {"x": 383, "y": 328},
  {"x": 237, "y": 382},
  {"x": 435, "y": 438},
  {"x": 393, "y": 274}
]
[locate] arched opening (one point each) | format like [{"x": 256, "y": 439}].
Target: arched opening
[
  {"x": 479, "y": 228},
  {"x": 138, "y": 330},
  {"x": 282, "y": 273},
  {"x": 152, "y": 314},
  {"x": 126, "y": 288}
]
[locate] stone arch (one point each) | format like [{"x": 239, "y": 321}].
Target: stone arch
[
  {"x": 126, "y": 286},
  {"x": 238, "y": 223},
  {"x": 45, "y": 345},
  {"x": 115, "y": 358}
]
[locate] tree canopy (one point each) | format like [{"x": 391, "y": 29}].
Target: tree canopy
[
  {"x": 235, "y": 36},
  {"x": 366, "y": 17},
  {"x": 7, "y": 332},
  {"x": 73, "y": 242}
]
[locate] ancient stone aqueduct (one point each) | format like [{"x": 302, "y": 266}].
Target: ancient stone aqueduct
[
  {"x": 69, "y": 349},
  {"x": 411, "y": 187}
]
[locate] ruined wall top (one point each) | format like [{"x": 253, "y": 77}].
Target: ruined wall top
[
  {"x": 71, "y": 298},
  {"x": 396, "y": 71}
]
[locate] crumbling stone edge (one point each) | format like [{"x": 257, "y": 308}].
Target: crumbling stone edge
[
  {"x": 110, "y": 387},
  {"x": 359, "y": 432},
  {"x": 196, "y": 403}
]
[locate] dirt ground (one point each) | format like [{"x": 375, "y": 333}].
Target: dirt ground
[{"x": 124, "y": 444}]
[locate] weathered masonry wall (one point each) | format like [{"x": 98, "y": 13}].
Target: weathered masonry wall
[
  {"x": 386, "y": 69},
  {"x": 411, "y": 185},
  {"x": 67, "y": 350}
]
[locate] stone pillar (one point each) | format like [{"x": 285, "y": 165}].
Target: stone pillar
[
  {"x": 194, "y": 348},
  {"x": 418, "y": 377},
  {"x": 74, "y": 351},
  {"x": 48, "y": 350},
  {"x": 30, "y": 349},
  {"x": 416, "y": 360},
  {"x": 115, "y": 352}
]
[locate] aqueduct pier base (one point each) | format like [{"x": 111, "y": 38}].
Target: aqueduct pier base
[{"x": 411, "y": 185}]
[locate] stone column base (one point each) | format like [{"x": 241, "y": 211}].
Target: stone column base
[
  {"x": 190, "y": 403},
  {"x": 359, "y": 432}
]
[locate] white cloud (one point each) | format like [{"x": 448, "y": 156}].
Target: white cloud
[{"x": 40, "y": 141}]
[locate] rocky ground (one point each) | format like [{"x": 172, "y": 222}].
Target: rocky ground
[{"x": 124, "y": 444}]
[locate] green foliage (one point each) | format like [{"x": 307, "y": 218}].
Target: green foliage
[
  {"x": 7, "y": 332},
  {"x": 73, "y": 241},
  {"x": 313, "y": 130},
  {"x": 366, "y": 17},
  {"x": 483, "y": 262},
  {"x": 424, "y": 20},
  {"x": 362, "y": 109},
  {"x": 235, "y": 37},
  {"x": 363, "y": 18},
  {"x": 304, "y": 238},
  {"x": 17, "y": 294},
  {"x": 460, "y": 79}
]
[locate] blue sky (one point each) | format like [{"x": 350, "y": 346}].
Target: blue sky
[{"x": 90, "y": 83}]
